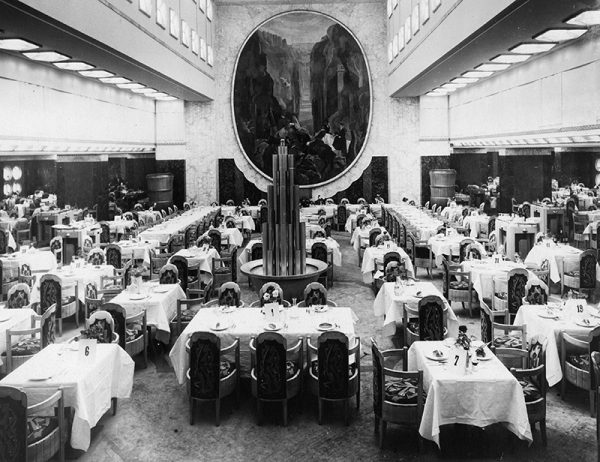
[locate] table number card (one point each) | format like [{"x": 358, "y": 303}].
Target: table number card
[
  {"x": 576, "y": 305},
  {"x": 87, "y": 350},
  {"x": 272, "y": 312}
]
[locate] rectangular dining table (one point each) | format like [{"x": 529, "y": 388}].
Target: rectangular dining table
[
  {"x": 443, "y": 246},
  {"x": 197, "y": 256},
  {"x": 390, "y": 302},
  {"x": 15, "y": 319},
  {"x": 88, "y": 385},
  {"x": 548, "y": 324},
  {"x": 373, "y": 258},
  {"x": 483, "y": 273},
  {"x": 158, "y": 300},
  {"x": 246, "y": 323},
  {"x": 556, "y": 254},
  {"x": 489, "y": 394}
]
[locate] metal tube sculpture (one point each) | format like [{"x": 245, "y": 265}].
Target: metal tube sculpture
[{"x": 284, "y": 237}]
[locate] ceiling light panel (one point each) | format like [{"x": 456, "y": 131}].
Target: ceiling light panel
[
  {"x": 74, "y": 66},
  {"x": 559, "y": 35},
  {"x": 531, "y": 48},
  {"x": 587, "y": 18},
  {"x": 17, "y": 44},
  {"x": 493, "y": 67},
  {"x": 130, "y": 86},
  {"x": 46, "y": 56},
  {"x": 96, "y": 74},
  {"x": 477, "y": 74},
  {"x": 144, "y": 91},
  {"x": 510, "y": 59},
  {"x": 464, "y": 80},
  {"x": 114, "y": 80}
]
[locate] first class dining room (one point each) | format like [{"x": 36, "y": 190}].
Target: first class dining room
[{"x": 324, "y": 230}]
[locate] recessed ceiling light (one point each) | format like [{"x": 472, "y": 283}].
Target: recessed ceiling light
[
  {"x": 144, "y": 91},
  {"x": 510, "y": 59},
  {"x": 531, "y": 48},
  {"x": 166, "y": 98},
  {"x": 130, "y": 86},
  {"x": 559, "y": 35},
  {"x": 492, "y": 67},
  {"x": 477, "y": 74},
  {"x": 114, "y": 80},
  {"x": 464, "y": 80},
  {"x": 159, "y": 95},
  {"x": 46, "y": 56},
  {"x": 74, "y": 66},
  {"x": 587, "y": 18},
  {"x": 453, "y": 86},
  {"x": 437, "y": 93},
  {"x": 17, "y": 44},
  {"x": 96, "y": 74}
]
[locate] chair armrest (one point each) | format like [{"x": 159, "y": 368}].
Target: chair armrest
[
  {"x": 49, "y": 402},
  {"x": 234, "y": 345}
]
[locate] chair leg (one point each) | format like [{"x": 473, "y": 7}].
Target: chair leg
[
  {"x": 60, "y": 327},
  {"x": 285, "y": 413},
  {"x": 217, "y": 412},
  {"x": 347, "y": 412},
  {"x": 320, "y": 410},
  {"x": 382, "y": 428},
  {"x": 543, "y": 432},
  {"x": 376, "y": 425},
  {"x": 258, "y": 412},
  {"x": 592, "y": 403},
  {"x": 358, "y": 399},
  {"x": 191, "y": 411},
  {"x": 114, "y": 406},
  {"x": 563, "y": 388},
  {"x": 146, "y": 349}
]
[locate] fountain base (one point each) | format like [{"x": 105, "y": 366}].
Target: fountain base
[{"x": 292, "y": 286}]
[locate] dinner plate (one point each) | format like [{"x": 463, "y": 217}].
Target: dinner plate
[
  {"x": 40, "y": 377},
  {"x": 272, "y": 326},
  {"x": 228, "y": 309},
  {"x": 137, "y": 296},
  {"x": 160, "y": 290},
  {"x": 546, "y": 315},
  {"x": 325, "y": 326},
  {"x": 595, "y": 314},
  {"x": 487, "y": 357},
  {"x": 220, "y": 326},
  {"x": 321, "y": 308},
  {"x": 591, "y": 325},
  {"x": 433, "y": 357}
]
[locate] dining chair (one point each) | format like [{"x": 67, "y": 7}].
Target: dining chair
[
  {"x": 315, "y": 294},
  {"x": 332, "y": 375},
  {"x": 18, "y": 296},
  {"x": 26, "y": 276},
  {"x": 487, "y": 316},
  {"x": 168, "y": 274},
  {"x": 398, "y": 395},
  {"x": 212, "y": 374},
  {"x": 64, "y": 295},
  {"x": 96, "y": 257},
  {"x": 110, "y": 287},
  {"x": 319, "y": 251},
  {"x": 187, "y": 308},
  {"x": 100, "y": 326},
  {"x": 532, "y": 377},
  {"x": 512, "y": 337},
  {"x": 93, "y": 301},
  {"x": 132, "y": 330},
  {"x": 342, "y": 217},
  {"x": 222, "y": 269},
  {"x": 215, "y": 239},
  {"x": 113, "y": 256},
  {"x": 185, "y": 279},
  {"x": 104, "y": 237},
  {"x": 276, "y": 371},
  {"x": 423, "y": 257},
  {"x": 575, "y": 351},
  {"x": 373, "y": 234},
  {"x": 536, "y": 293},
  {"x": 175, "y": 243},
  {"x": 427, "y": 322},
  {"x": 190, "y": 236},
  {"x": 158, "y": 259},
  {"x": 56, "y": 247},
  {"x": 31, "y": 432},
  {"x": 460, "y": 288},
  {"x": 584, "y": 277},
  {"x": 511, "y": 300},
  {"x": 38, "y": 338}
]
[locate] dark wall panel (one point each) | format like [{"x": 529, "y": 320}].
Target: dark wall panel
[
  {"x": 578, "y": 167},
  {"x": 524, "y": 177},
  {"x": 234, "y": 185},
  {"x": 177, "y": 168}
]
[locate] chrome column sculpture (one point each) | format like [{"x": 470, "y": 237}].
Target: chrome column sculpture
[{"x": 284, "y": 237}]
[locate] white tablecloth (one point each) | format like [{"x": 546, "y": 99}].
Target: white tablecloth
[
  {"x": 137, "y": 250},
  {"x": 555, "y": 254},
  {"x": 82, "y": 275},
  {"x": 160, "y": 307},
  {"x": 362, "y": 235},
  {"x": 233, "y": 234},
  {"x": 120, "y": 226},
  {"x": 491, "y": 394},
  {"x": 87, "y": 387},
  {"x": 390, "y": 305},
  {"x": 39, "y": 261},
  {"x": 422, "y": 224},
  {"x": 483, "y": 271},
  {"x": 163, "y": 231},
  {"x": 373, "y": 257},
  {"x": 249, "y": 322},
  {"x": 18, "y": 319},
  {"x": 443, "y": 245},
  {"x": 550, "y": 330},
  {"x": 197, "y": 256},
  {"x": 476, "y": 224},
  {"x": 332, "y": 246},
  {"x": 330, "y": 210}
]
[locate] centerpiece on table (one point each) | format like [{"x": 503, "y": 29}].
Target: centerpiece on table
[{"x": 464, "y": 341}]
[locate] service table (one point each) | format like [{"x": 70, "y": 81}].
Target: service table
[
  {"x": 512, "y": 231},
  {"x": 482, "y": 395},
  {"x": 552, "y": 218},
  {"x": 76, "y": 230},
  {"x": 15, "y": 319},
  {"x": 88, "y": 383},
  {"x": 158, "y": 300},
  {"x": 373, "y": 259},
  {"x": 391, "y": 299},
  {"x": 245, "y": 323},
  {"x": 547, "y": 322}
]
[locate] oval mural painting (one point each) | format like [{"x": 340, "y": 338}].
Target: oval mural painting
[{"x": 302, "y": 77}]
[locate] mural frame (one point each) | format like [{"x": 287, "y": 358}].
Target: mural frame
[{"x": 232, "y": 95}]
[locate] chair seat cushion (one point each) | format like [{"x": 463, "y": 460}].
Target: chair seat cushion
[
  {"x": 192, "y": 279},
  {"x": 459, "y": 285},
  {"x": 580, "y": 361},
  {"x": 501, "y": 295},
  {"x": 222, "y": 270},
  {"x": 290, "y": 369},
  {"x": 413, "y": 326},
  {"x": 530, "y": 390},
  {"x": 226, "y": 368},
  {"x": 132, "y": 332},
  {"x": 402, "y": 391},
  {"x": 188, "y": 315},
  {"x": 26, "y": 347},
  {"x": 39, "y": 427},
  {"x": 574, "y": 274},
  {"x": 315, "y": 368},
  {"x": 508, "y": 341}
]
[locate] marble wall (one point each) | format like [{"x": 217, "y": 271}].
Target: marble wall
[{"x": 394, "y": 133}]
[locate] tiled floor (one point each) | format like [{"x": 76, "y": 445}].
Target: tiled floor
[{"x": 153, "y": 425}]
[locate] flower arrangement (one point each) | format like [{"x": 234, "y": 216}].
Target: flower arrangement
[
  {"x": 463, "y": 340},
  {"x": 138, "y": 271},
  {"x": 97, "y": 331},
  {"x": 271, "y": 296}
]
